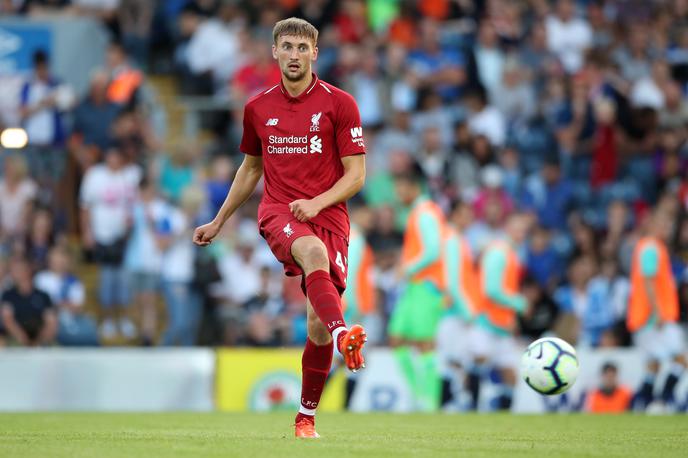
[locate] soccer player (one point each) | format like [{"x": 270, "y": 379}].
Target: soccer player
[
  {"x": 305, "y": 137},
  {"x": 462, "y": 289},
  {"x": 415, "y": 319},
  {"x": 653, "y": 311},
  {"x": 492, "y": 336}
]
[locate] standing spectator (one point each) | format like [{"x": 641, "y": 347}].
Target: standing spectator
[
  {"x": 568, "y": 36},
  {"x": 610, "y": 396},
  {"x": 125, "y": 80},
  {"x": 107, "y": 195},
  {"x": 135, "y": 20},
  {"x": 143, "y": 257},
  {"x": 485, "y": 119},
  {"x": 42, "y": 120},
  {"x": 182, "y": 300},
  {"x": 176, "y": 171},
  {"x": 68, "y": 295},
  {"x": 28, "y": 315}
]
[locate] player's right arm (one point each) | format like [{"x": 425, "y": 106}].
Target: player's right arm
[
  {"x": 244, "y": 184},
  {"x": 494, "y": 269},
  {"x": 649, "y": 267}
]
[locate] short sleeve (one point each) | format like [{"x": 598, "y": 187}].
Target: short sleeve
[
  {"x": 348, "y": 129},
  {"x": 88, "y": 189},
  {"x": 649, "y": 260},
  {"x": 250, "y": 141}
]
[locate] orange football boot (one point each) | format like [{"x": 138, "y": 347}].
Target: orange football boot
[
  {"x": 305, "y": 428},
  {"x": 350, "y": 345}
]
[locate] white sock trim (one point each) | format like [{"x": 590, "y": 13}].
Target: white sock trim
[
  {"x": 304, "y": 411},
  {"x": 335, "y": 335}
]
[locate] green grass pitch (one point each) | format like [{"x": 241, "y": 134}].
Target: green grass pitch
[{"x": 264, "y": 435}]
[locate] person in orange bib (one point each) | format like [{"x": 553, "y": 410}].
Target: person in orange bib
[
  {"x": 653, "y": 311},
  {"x": 413, "y": 324},
  {"x": 464, "y": 295},
  {"x": 610, "y": 397},
  {"x": 492, "y": 337}
]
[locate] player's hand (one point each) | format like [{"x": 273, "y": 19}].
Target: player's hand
[
  {"x": 204, "y": 235},
  {"x": 304, "y": 209}
]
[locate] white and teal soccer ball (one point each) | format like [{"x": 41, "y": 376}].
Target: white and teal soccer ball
[{"x": 549, "y": 366}]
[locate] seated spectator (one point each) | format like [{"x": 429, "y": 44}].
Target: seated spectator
[
  {"x": 568, "y": 36},
  {"x": 609, "y": 397},
  {"x": 541, "y": 316},
  {"x": 550, "y": 195},
  {"x": 68, "y": 295},
  {"x": 259, "y": 73},
  {"x": 93, "y": 118},
  {"x": 263, "y": 313},
  {"x": 41, "y": 238},
  {"x": 218, "y": 183},
  {"x": 17, "y": 192},
  {"x": 176, "y": 171},
  {"x": 543, "y": 262},
  {"x": 485, "y": 119},
  {"x": 492, "y": 190},
  {"x": 28, "y": 314},
  {"x": 575, "y": 299}
]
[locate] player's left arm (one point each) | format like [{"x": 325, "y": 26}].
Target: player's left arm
[{"x": 345, "y": 188}]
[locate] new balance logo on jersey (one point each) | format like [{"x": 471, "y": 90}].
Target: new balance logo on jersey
[
  {"x": 272, "y": 122},
  {"x": 288, "y": 231},
  {"x": 316, "y": 144},
  {"x": 357, "y": 136},
  {"x": 315, "y": 122}
]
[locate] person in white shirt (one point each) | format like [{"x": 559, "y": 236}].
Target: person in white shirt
[
  {"x": 485, "y": 119},
  {"x": 107, "y": 195},
  {"x": 568, "y": 36},
  {"x": 17, "y": 191},
  {"x": 68, "y": 294}
]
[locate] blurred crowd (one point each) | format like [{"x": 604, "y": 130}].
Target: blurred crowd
[{"x": 574, "y": 111}]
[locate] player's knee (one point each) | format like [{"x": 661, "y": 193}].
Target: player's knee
[{"x": 315, "y": 257}]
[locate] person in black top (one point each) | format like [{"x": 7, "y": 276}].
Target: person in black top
[{"x": 28, "y": 315}]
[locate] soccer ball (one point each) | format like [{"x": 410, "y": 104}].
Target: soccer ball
[{"x": 549, "y": 366}]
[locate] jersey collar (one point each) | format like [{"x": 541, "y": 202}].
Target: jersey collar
[{"x": 301, "y": 97}]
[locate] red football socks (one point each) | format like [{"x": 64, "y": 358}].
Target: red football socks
[
  {"x": 325, "y": 300},
  {"x": 315, "y": 366}
]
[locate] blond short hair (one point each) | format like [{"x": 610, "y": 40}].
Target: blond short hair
[{"x": 296, "y": 27}]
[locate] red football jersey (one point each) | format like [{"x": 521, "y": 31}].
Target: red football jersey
[{"x": 302, "y": 140}]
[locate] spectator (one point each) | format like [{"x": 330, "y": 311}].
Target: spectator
[
  {"x": 435, "y": 65},
  {"x": 183, "y": 302},
  {"x": 216, "y": 45},
  {"x": 543, "y": 262},
  {"x": 93, "y": 118},
  {"x": 264, "y": 326},
  {"x": 125, "y": 80},
  {"x": 28, "y": 315},
  {"x": 68, "y": 295},
  {"x": 135, "y": 18},
  {"x": 609, "y": 292},
  {"x": 17, "y": 192},
  {"x": 610, "y": 397},
  {"x": 259, "y": 73},
  {"x": 143, "y": 256},
  {"x": 218, "y": 184},
  {"x": 42, "y": 101},
  {"x": 41, "y": 237},
  {"x": 549, "y": 195},
  {"x": 176, "y": 171},
  {"x": 568, "y": 36},
  {"x": 489, "y": 59},
  {"x": 107, "y": 194},
  {"x": 575, "y": 299},
  {"x": 485, "y": 119}
]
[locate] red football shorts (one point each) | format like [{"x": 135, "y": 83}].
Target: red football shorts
[{"x": 280, "y": 231}]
